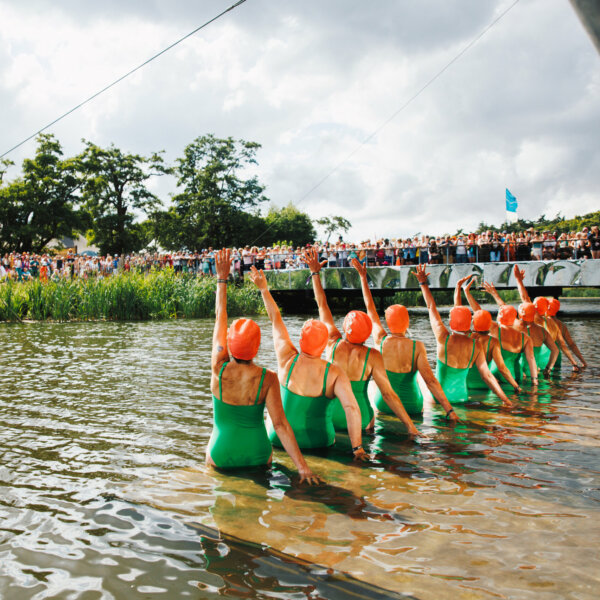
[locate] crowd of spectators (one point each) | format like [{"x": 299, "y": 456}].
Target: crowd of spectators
[{"x": 462, "y": 248}]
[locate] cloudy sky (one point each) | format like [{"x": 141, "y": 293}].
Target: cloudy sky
[{"x": 311, "y": 81}]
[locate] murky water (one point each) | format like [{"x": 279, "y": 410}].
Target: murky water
[{"x": 103, "y": 493}]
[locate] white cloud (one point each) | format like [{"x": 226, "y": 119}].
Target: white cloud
[{"x": 310, "y": 81}]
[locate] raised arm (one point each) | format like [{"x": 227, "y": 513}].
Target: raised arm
[
  {"x": 560, "y": 341},
  {"x": 437, "y": 325},
  {"x": 390, "y": 397},
  {"x": 311, "y": 257},
  {"x": 284, "y": 349},
  {"x": 519, "y": 276},
  {"x": 432, "y": 383},
  {"x": 219, "y": 353},
  {"x": 284, "y": 430},
  {"x": 458, "y": 290},
  {"x": 475, "y": 306},
  {"x": 378, "y": 330},
  {"x": 490, "y": 288}
]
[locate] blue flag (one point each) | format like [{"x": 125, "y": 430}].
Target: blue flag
[{"x": 511, "y": 202}]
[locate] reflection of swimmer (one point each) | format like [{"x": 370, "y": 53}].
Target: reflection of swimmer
[
  {"x": 456, "y": 351},
  {"x": 308, "y": 383},
  {"x": 546, "y": 320},
  {"x": 403, "y": 358},
  {"x": 240, "y": 391},
  {"x": 354, "y": 358},
  {"x": 513, "y": 342}
]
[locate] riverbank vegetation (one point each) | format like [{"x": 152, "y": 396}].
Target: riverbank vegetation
[{"x": 123, "y": 297}]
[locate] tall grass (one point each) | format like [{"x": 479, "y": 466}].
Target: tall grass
[{"x": 123, "y": 297}]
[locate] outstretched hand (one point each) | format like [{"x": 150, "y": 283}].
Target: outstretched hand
[
  {"x": 490, "y": 288},
  {"x": 362, "y": 269},
  {"x": 311, "y": 258},
  {"x": 420, "y": 274},
  {"x": 468, "y": 286},
  {"x": 306, "y": 475},
  {"x": 462, "y": 280},
  {"x": 223, "y": 263},
  {"x": 519, "y": 273},
  {"x": 258, "y": 278}
]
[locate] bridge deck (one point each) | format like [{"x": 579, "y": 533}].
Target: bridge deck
[{"x": 538, "y": 274}]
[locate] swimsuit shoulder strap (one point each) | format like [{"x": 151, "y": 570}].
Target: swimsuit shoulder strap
[
  {"x": 325, "y": 378},
  {"x": 446, "y": 350},
  {"x": 262, "y": 378},
  {"x": 365, "y": 365},
  {"x": 500, "y": 336},
  {"x": 291, "y": 369},
  {"x": 381, "y": 344},
  {"x": 220, "y": 386},
  {"x": 334, "y": 348},
  {"x": 522, "y": 341},
  {"x": 472, "y": 354},
  {"x": 488, "y": 346},
  {"x": 412, "y": 360}
]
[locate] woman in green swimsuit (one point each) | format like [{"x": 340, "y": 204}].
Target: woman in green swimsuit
[
  {"x": 354, "y": 358},
  {"x": 549, "y": 323},
  {"x": 545, "y": 350},
  {"x": 403, "y": 358},
  {"x": 513, "y": 343},
  {"x": 482, "y": 323},
  {"x": 240, "y": 391},
  {"x": 308, "y": 383},
  {"x": 456, "y": 351}
]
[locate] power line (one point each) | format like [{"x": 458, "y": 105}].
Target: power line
[
  {"x": 399, "y": 110},
  {"x": 124, "y": 77}
]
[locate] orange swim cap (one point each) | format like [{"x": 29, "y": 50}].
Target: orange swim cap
[
  {"x": 460, "y": 318},
  {"x": 553, "y": 306},
  {"x": 482, "y": 320},
  {"x": 541, "y": 305},
  {"x": 313, "y": 337},
  {"x": 243, "y": 339},
  {"x": 507, "y": 315},
  {"x": 357, "y": 326},
  {"x": 397, "y": 319},
  {"x": 527, "y": 312}
]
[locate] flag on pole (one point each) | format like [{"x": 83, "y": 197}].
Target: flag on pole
[{"x": 511, "y": 207}]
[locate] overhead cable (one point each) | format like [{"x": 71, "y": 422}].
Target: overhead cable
[{"x": 110, "y": 85}]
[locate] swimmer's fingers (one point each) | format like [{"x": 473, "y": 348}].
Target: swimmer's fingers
[
  {"x": 311, "y": 479},
  {"x": 362, "y": 270},
  {"x": 470, "y": 283},
  {"x": 258, "y": 278},
  {"x": 507, "y": 404}
]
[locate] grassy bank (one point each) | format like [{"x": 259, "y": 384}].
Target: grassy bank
[{"x": 123, "y": 297}]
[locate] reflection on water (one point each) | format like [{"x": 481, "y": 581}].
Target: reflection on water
[{"x": 103, "y": 494}]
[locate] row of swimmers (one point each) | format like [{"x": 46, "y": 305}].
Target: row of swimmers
[{"x": 309, "y": 398}]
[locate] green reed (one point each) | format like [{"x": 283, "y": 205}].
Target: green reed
[{"x": 123, "y": 297}]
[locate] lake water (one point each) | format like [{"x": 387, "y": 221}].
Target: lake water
[{"x": 103, "y": 493}]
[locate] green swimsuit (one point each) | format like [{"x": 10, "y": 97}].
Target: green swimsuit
[
  {"x": 545, "y": 358},
  {"x": 538, "y": 354},
  {"x": 239, "y": 437},
  {"x": 406, "y": 387},
  {"x": 474, "y": 380},
  {"x": 309, "y": 416},
  {"x": 359, "y": 388},
  {"x": 452, "y": 379},
  {"x": 512, "y": 360}
]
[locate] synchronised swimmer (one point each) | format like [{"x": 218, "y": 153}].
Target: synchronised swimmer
[{"x": 309, "y": 398}]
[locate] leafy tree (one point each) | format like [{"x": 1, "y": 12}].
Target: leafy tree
[
  {"x": 43, "y": 204},
  {"x": 213, "y": 209},
  {"x": 115, "y": 187},
  {"x": 290, "y": 224},
  {"x": 332, "y": 224}
]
